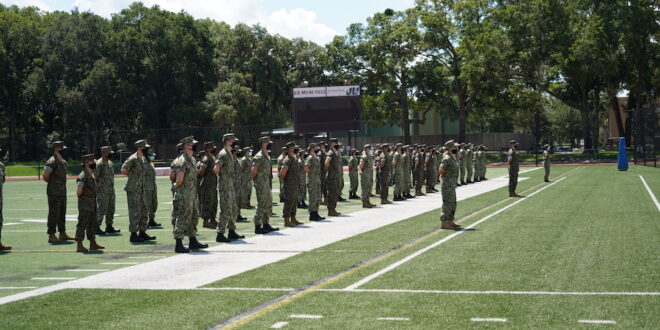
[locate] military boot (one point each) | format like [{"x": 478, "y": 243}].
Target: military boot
[
  {"x": 419, "y": 192},
  {"x": 152, "y": 223},
  {"x": 53, "y": 239},
  {"x": 270, "y": 228},
  {"x": 135, "y": 238},
  {"x": 446, "y": 225},
  {"x": 366, "y": 205},
  {"x": 234, "y": 236},
  {"x": 384, "y": 202},
  {"x": 372, "y": 205},
  {"x": 100, "y": 232},
  {"x": 4, "y": 247},
  {"x": 463, "y": 183},
  {"x": 146, "y": 237},
  {"x": 333, "y": 213},
  {"x": 288, "y": 223},
  {"x": 206, "y": 223},
  {"x": 214, "y": 223},
  {"x": 220, "y": 238},
  {"x": 179, "y": 248},
  {"x": 259, "y": 230},
  {"x": 397, "y": 198},
  {"x": 295, "y": 221},
  {"x": 81, "y": 247},
  {"x": 194, "y": 244},
  {"x": 65, "y": 237},
  {"x": 112, "y": 230},
  {"x": 93, "y": 246},
  {"x": 454, "y": 224}
]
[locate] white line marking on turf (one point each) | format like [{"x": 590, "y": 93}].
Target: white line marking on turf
[
  {"x": 488, "y": 319},
  {"x": 546, "y": 293},
  {"x": 655, "y": 200},
  {"x": 153, "y": 257},
  {"x": 12, "y": 223},
  {"x": 421, "y": 251},
  {"x": 393, "y": 319},
  {"x": 245, "y": 289},
  {"x": 87, "y": 270},
  {"x": 279, "y": 325},
  {"x": 119, "y": 263},
  {"x": 53, "y": 278},
  {"x": 16, "y": 287},
  {"x": 597, "y": 321},
  {"x": 305, "y": 316}
]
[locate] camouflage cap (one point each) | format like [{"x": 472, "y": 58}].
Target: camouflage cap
[
  {"x": 247, "y": 149},
  {"x": 513, "y": 142},
  {"x": 335, "y": 140},
  {"x": 188, "y": 139},
  {"x": 399, "y": 145},
  {"x": 179, "y": 146},
  {"x": 290, "y": 144},
  {"x": 142, "y": 143},
  {"x": 228, "y": 136},
  {"x": 59, "y": 144},
  {"x": 209, "y": 144},
  {"x": 407, "y": 146},
  {"x": 283, "y": 148},
  {"x": 265, "y": 139},
  {"x": 366, "y": 146},
  {"x": 107, "y": 149},
  {"x": 88, "y": 158},
  {"x": 385, "y": 145},
  {"x": 201, "y": 154},
  {"x": 235, "y": 149},
  {"x": 450, "y": 143},
  {"x": 312, "y": 146}
]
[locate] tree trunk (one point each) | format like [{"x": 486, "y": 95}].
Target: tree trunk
[{"x": 586, "y": 122}]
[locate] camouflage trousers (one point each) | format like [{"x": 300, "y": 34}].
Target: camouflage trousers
[
  {"x": 448, "y": 191},
  {"x": 87, "y": 221},
  {"x": 1, "y": 218},
  {"x": 264, "y": 203},
  {"x": 56, "y": 214},
  {"x": 353, "y": 179},
  {"x": 377, "y": 183},
  {"x": 513, "y": 179},
  {"x": 151, "y": 199},
  {"x": 314, "y": 193},
  {"x": 137, "y": 211},
  {"x": 399, "y": 183},
  {"x": 246, "y": 192},
  {"x": 302, "y": 189},
  {"x": 477, "y": 172},
  {"x": 228, "y": 209},
  {"x": 208, "y": 201},
  {"x": 324, "y": 184},
  {"x": 333, "y": 193},
  {"x": 105, "y": 207},
  {"x": 282, "y": 190},
  {"x": 461, "y": 172},
  {"x": 546, "y": 168},
  {"x": 185, "y": 222},
  {"x": 407, "y": 184},
  {"x": 367, "y": 182},
  {"x": 468, "y": 170},
  {"x": 291, "y": 202},
  {"x": 384, "y": 184}
]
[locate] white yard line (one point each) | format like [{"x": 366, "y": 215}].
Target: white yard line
[
  {"x": 245, "y": 289},
  {"x": 87, "y": 270},
  {"x": 16, "y": 287},
  {"x": 597, "y": 321},
  {"x": 393, "y": 319},
  {"x": 199, "y": 268},
  {"x": 488, "y": 319},
  {"x": 145, "y": 257},
  {"x": 53, "y": 278},
  {"x": 421, "y": 251},
  {"x": 305, "y": 316},
  {"x": 655, "y": 200},
  {"x": 543, "y": 293},
  {"x": 279, "y": 325},
  {"x": 119, "y": 263}
]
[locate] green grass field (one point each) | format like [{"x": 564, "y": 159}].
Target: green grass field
[{"x": 582, "y": 248}]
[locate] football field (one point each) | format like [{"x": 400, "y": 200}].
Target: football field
[{"x": 582, "y": 251}]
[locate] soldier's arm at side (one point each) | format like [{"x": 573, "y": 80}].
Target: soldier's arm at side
[
  {"x": 46, "y": 176},
  {"x": 361, "y": 166},
  {"x": 217, "y": 169},
  {"x": 179, "y": 178},
  {"x": 80, "y": 187},
  {"x": 327, "y": 163},
  {"x": 284, "y": 172},
  {"x": 172, "y": 176},
  {"x": 202, "y": 170}
]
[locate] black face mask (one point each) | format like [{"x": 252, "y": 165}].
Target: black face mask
[
  {"x": 240, "y": 154},
  {"x": 336, "y": 147},
  {"x": 3, "y": 153},
  {"x": 454, "y": 151},
  {"x": 295, "y": 151},
  {"x": 269, "y": 147},
  {"x": 194, "y": 148},
  {"x": 91, "y": 165}
]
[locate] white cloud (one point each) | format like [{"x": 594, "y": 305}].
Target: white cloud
[
  {"x": 27, "y": 3},
  {"x": 299, "y": 23},
  {"x": 99, "y": 7}
]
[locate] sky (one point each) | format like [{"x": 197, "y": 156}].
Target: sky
[{"x": 314, "y": 20}]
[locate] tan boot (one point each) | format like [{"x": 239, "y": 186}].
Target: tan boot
[
  {"x": 384, "y": 202},
  {"x": 53, "y": 239},
  {"x": 446, "y": 225},
  {"x": 65, "y": 237},
  {"x": 333, "y": 213},
  {"x": 454, "y": 224},
  {"x": 94, "y": 246},
  {"x": 4, "y": 247},
  {"x": 81, "y": 248},
  {"x": 213, "y": 223},
  {"x": 419, "y": 192},
  {"x": 249, "y": 207},
  {"x": 288, "y": 223},
  {"x": 295, "y": 221},
  {"x": 366, "y": 205},
  {"x": 372, "y": 205}
]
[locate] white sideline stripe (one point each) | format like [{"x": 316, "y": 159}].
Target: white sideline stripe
[
  {"x": 119, "y": 263},
  {"x": 655, "y": 200},
  {"x": 305, "y": 316},
  {"x": 421, "y": 251},
  {"x": 245, "y": 289},
  {"x": 546, "y": 293},
  {"x": 488, "y": 319},
  {"x": 53, "y": 278},
  {"x": 597, "y": 321},
  {"x": 12, "y": 223},
  {"x": 87, "y": 270},
  {"x": 393, "y": 319},
  {"x": 279, "y": 325},
  {"x": 16, "y": 287},
  {"x": 154, "y": 257}
]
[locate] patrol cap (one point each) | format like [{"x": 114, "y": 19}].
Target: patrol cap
[
  {"x": 366, "y": 146},
  {"x": 322, "y": 144},
  {"x": 312, "y": 146},
  {"x": 59, "y": 144},
  {"x": 209, "y": 144},
  {"x": 470, "y": 145},
  {"x": 142, "y": 143},
  {"x": 201, "y": 153},
  {"x": 179, "y": 146},
  {"x": 407, "y": 146},
  {"x": 335, "y": 140},
  {"x": 88, "y": 158},
  {"x": 450, "y": 143},
  {"x": 290, "y": 144},
  {"x": 228, "y": 136},
  {"x": 107, "y": 149},
  {"x": 247, "y": 149},
  {"x": 399, "y": 145},
  {"x": 546, "y": 146},
  {"x": 283, "y": 148},
  {"x": 385, "y": 145},
  {"x": 188, "y": 139},
  {"x": 265, "y": 139},
  {"x": 513, "y": 141}
]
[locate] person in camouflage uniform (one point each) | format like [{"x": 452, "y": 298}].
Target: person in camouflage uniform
[
  {"x": 353, "y": 174},
  {"x": 55, "y": 175},
  {"x": 483, "y": 163},
  {"x": 246, "y": 178},
  {"x": 333, "y": 164},
  {"x": 262, "y": 171},
  {"x": 86, "y": 192},
  {"x": 3, "y": 153},
  {"x": 105, "y": 192},
  {"x": 449, "y": 174},
  {"x": 407, "y": 171},
  {"x": 513, "y": 168},
  {"x": 225, "y": 168},
  {"x": 384, "y": 162},
  {"x": 136, "y": 168},
  {"x": 300, "y": 158},
  {"x": 397, "y": 164},
  {"x": 185, "y": 198},
  {"x": 428, "y": 170},
  {"x": 546, "y": 162},
  {"x": 151, "y": 189},
  {"x": 236, "y": 154},
  {"x": 291, "y": 180},
  {"x": 477, "y": 164},
  {"x": 419, "y": 161},
  {"x": 379, "y": 152},
  {"x": 469, "y": 156},
  {"x": 462, "y": 163},
  {"x": 208, "y": 187},
  {"x": 280, "y": 159},
  {"x": 340, "y": 174},
  {"x": 313, "y": 178},
  {"x": 366, "y": 168},
  {"x": 324, "y": 173}
]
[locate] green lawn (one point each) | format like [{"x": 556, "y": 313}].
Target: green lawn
[{"x": 596, "y": 230}]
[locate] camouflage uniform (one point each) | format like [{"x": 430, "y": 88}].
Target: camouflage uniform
[
  {"x": 150, "y": 191},
  {"x": 302, "y": 182},
  {"x": 428, "y": 170},
  {"x": 323, "y": 173},
  {"x": 419, "y": 169},
  {"x": 226, "y": 191},
  {"x": 105, "y": 192},
  {"x": 333, "y": 180},
  {"x": 407, "y": 170},
  {"x": 385, "y": 165},
  {"x": 546, "y": 165},
  {"x": 280, "y": 159},
  {"x": 185, "y": 198},
  {"x": 398, "y": 174},
  {"x": 461, "y": 165},
  {"x": 246, "y": 178},
  {"x": 292, "y": 184},
  {"x": 353, "y": 175},
  {"x": 237, "y": 179},
  {"x": 208, "y": 189},
  {"x": 483, "y": 163},
  {"x": 513, "y": 170},
  {"x": 367, "y": 176},
  {"x": 56, "y": 191},
  {"x": 477, "y": 165},
  {"x": 262, "y": 186},
  {"x": 87, "y": 221},
  {"x": 313, "y": 182},
  {"x": 469, "y": 155},
  {"x": 376, "y": 163},
  {"x": 450, "y": 165},
  {"x": 135, "y": 192}
]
